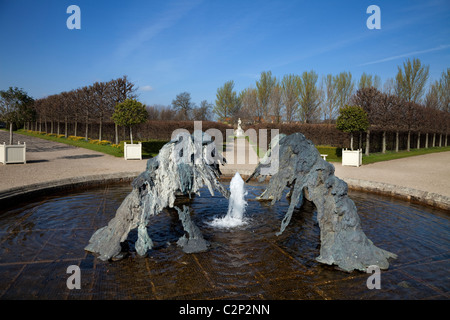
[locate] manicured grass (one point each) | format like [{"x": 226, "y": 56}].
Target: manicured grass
[
  {"x": 149, "y": 148},
  {"x": 391, "y": 155},
  {"x": 333, "y": 154}
]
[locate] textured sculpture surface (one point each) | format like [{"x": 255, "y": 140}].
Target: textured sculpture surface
[
  {"x": 183, "y": 166},
  {"x": 302, "y": 169},
  {"x": 190, "y": 162}
]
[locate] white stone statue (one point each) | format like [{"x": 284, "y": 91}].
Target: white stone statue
[{"x": 239, "y": 132}]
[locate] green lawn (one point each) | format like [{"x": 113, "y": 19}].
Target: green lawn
[
  {"x": 391, "y": 155},
  {"x": 149, "y": 148},
  {"x": 335, "y": 154}
]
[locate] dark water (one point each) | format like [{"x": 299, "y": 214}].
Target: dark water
[{"x": 39, "y": 240}]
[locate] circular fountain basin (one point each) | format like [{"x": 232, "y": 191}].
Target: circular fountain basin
[{"x": 40, "y": 239}]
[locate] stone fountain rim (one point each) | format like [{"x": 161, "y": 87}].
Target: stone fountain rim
[{"x": 11, "y": 196}]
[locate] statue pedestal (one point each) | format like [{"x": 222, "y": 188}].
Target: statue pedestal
[{"x": 239, "y": 132}]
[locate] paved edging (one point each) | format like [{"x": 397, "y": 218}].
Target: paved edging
[
  {"x": 405, "y": 193},
  {"x": 412, "y": 195},
  {"x": 37, "y": 189}
]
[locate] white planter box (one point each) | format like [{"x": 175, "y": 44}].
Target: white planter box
[
  {"x": 352, "y": 158},
  {"x": 13, "y": 153},
  {"x": 132, "y": 151}
]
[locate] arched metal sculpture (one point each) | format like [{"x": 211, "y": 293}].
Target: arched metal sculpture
[{"x": 188, "y": 163}]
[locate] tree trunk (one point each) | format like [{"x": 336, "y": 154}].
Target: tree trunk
[
  {"x": 65, "y": 127},
  {"x": 367, "y": 142},
  {"x": 87, "y": 130},
  {"x": 51, "y": 127},
  {"x": 100, "y": 130},
  {"x": 351, "y": 141},
  {"x": 446, "y": 136},
  {"x": 418, "y": 140},
  {"x": 383, "y": 144},
  {"x": 75, "y": 128},
  {"x": 11, "y": 133},
  {"x": 58, "y": 126},
  {"x": 426, "y": 140},
  {"x": 116, "y": 129},
  {"x": 397, "y": 142},
  {"x": 408, "y": 147},
  {"x": 440, "y": 140},
  {"x": 131, "y": 135},
  {"x": 434, "y": 140},
  {"x": 360, "y": 141}
]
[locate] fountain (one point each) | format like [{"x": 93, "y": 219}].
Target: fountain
[
  {"x": 188, "y": 163},
  {"x": 236, "y": 206},
  {"x": 183, "y": 166},
  {"x": 302, "y": 169}
]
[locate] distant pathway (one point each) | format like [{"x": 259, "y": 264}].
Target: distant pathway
[
  {"x": 241, "y": 157},
  {"x": 53, "y": 164},
  {"x": 429, "y": 172}
]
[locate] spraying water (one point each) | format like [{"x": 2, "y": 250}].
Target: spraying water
[{"x": 236, "y": 206}]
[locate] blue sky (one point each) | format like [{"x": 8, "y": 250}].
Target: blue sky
[{"x": 168, "y": 47}]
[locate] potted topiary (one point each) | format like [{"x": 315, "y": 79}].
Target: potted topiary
[
  {"x": 129, "y": 113},
  {"x": 16, "y": 107},
  {"x": 352, "y": 119}
]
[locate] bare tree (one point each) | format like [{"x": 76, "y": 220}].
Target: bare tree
[
  {"x": 344, "y": 88},
  {"x": 367, "y": 81},
  {"x": 227, "y": 102},
  {"x": 275, "y": 103},
  {"x": 167, "y": 113},
  {"x": 85, "y": 96},
  {"x": 289, "y": 85},
  {"x": 264, "y": 88},
  {"x": 369, "y": 99},
  {"x": 202, "y": 112},
  {"x": 410, "y": 81},
  {"x": 103, "y": 101},
  {"x": 309, "y": 97},
  {"x": 444, "y": 91},
  {"x": 153, "y": 112},
  {"x": 389, "y": 86},
  {"x": 123, "y": 89},
  {"x": 182, "y": 103},
  {"x": 249, "y": 105},
  {"x": 329, "y": 102}
]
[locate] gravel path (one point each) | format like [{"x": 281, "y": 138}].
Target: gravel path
[
  {"x": 49, "y": 161},
  {"x": 430, "y": 172}
]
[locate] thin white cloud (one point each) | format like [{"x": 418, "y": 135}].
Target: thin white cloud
[
  {"x": 146, "y": 88},
  {"x": 441, "y": 47},
  {"x": 166, "y": 20}
]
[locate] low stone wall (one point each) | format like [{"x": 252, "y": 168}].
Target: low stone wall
[
  {"x": 404, "y": 193},
  {"x": 13, "y": 196}
]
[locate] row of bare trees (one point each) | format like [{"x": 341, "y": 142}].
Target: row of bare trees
[
  {"x": 90, "y": 104},
  {"x": 390, "y": 113},
  {"x": 306, "y": 99}
]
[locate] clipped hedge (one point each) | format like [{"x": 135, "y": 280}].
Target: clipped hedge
[
  {"x": 150, "y": 147},
  {"x": 334, "y": 153}
]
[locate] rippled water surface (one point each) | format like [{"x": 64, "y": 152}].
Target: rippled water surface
[{"x": 40, "y": 239}]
